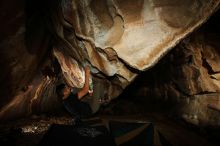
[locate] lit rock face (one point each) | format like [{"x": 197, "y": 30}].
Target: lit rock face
[
  {"x": 116, "y": 38},
  {"x": 138, "y": 33},
  {"x": 187, "y": 79},
  {"x": 123, "y": 36}
]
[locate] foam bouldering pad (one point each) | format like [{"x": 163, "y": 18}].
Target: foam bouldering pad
[{"x": 67, "y": 135}]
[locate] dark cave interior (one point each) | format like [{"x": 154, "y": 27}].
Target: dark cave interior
[{"x": 165, "y": 95}]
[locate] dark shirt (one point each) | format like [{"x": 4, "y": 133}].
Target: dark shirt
[
  {"x": 75, "y": 106},
  {"x": 71, "y": 100}
]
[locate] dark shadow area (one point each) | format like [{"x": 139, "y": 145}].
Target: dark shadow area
[
  {"x": 82, "y": 136},
  {"x": 37, "y": 35},
  {"x": 5, "y": 80},
  {"x": 9, "y": 26}
]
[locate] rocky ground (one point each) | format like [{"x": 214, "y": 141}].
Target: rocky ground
[{"x": 29, "y": 131}]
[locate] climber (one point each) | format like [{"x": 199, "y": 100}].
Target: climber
[{"x": 72, "y": 99}]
